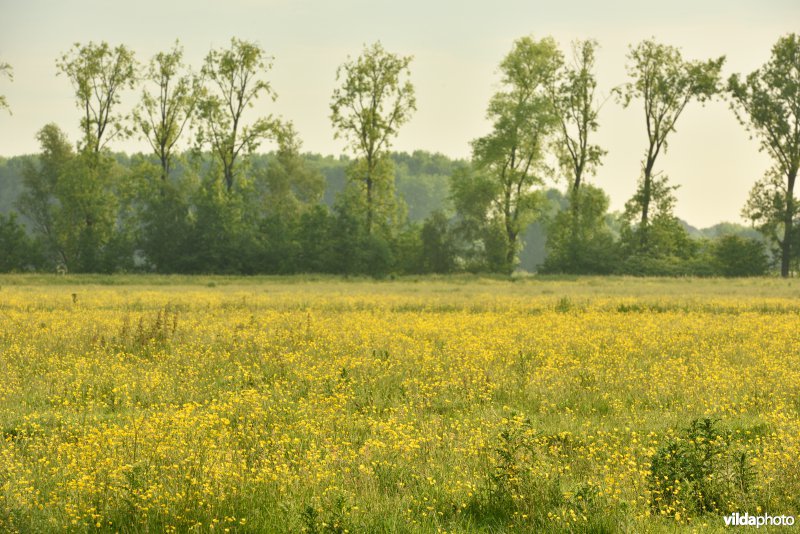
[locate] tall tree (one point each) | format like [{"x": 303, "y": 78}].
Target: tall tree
[
  {"x": 665, "y": 83},
  {"x": 163, "y": 117},
  {"x": 512, "y": 155},
  {"x": 99, "y": 74},
  {"x": 573, "y": 95},
  {"x": 374, "y": 99},
  {"x": 767, "y": 102},
  {"x": 90, "y": 193},
  {"x": 38, "y": 200},
  {"x": 235, "y": 83},
  {"x": 5, "y": 70}
]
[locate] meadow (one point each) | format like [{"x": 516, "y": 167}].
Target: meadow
[{"x": 458, "y": 404}]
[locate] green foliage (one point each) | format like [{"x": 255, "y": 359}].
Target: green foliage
[
  {"x": 315, "y": 248},
  {"x": 161, "y": 119},
  {"x": 666, "y": 83},
  {"x": 407, "y": 250},
  {"x": 288, "y": 186},
  {"x": 99, "y": 74},
  {"x": 422, "y": 181},
  {"x": 438, "y": 245},
  {"x": 573, "y": 96},
  {"x": 17, "y": 251},
  {"x": 374, "y": 199},
  {"x": 277, "y": 249},
  {"x": 738, "y": 256},
  {"x": 85, "y": 220},
  {"x": 662, "y": 234},
  {"x": 643, "y": 265},
  {"x": 77, "y": 204},
  {"x": 225, "y": 233},
  {"x": 354, "y": 250},
  {"x": 511, "y": 156},
  {"x": 233, "y": 84},
  {"x": 578, "y": 240},
  {"x": 767, "y": 102},
  {"x": 701, "y": 471},
  {"x": 374, "y": 100},
  {"x": 481, "y": 241},
  {"x": 165, "y": 220},
  {"x": 38, "y": 202}
]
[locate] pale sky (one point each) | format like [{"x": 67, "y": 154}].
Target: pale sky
[{"x": 456, "y": 45}]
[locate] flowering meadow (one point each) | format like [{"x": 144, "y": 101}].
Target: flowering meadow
[{"x": 431, "y": 405}]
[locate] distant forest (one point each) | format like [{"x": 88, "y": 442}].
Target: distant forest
[
  {"x": 422, "y": 184},
  {"x": 219, "y": 205}
]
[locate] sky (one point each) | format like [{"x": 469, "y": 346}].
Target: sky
[{"x": 456, "y": 45}]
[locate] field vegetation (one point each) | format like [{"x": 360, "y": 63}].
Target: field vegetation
[{"x": 148, "y": 404}]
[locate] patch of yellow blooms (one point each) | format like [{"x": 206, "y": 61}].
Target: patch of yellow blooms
[{"x": 248, "y": 409}]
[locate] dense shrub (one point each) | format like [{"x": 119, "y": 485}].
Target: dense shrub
[
  {"x": 700, "y": 471},
  {"x": 740, "y": 256}
]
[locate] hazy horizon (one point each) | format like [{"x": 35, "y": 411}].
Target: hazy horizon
[{"x": 456, "y": 49}]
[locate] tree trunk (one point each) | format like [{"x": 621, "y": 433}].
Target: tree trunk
[
  {"x": 164, "y": 175},
  {"x": 369, "y": 205},
  {"x": 648, "y": 171},
  {"x": 511, "y": 252},
  {"x": 786, "y": 244},
  {"x": 574, "y": 207},
  {"x": 228, "y": 178}
]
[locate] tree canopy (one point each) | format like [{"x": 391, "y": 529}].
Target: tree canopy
[
  {"x": 374, "y": 99},
  {"x": 767, "y": 102}
]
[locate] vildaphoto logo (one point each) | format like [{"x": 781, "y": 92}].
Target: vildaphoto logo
[{"x": 747, "y": 520}]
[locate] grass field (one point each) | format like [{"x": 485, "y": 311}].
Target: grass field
[{"x": 149, "y": 404}]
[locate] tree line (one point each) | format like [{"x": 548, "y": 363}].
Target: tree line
[{"x": 214, "y": 208}]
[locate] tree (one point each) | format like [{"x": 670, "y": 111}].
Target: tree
[
  {"x": 5, "y": 70},
  {"x": 99, "y": 74},
  {"x": 666, "y": 84},
  {"x": 285, "y": 190},
  {"x": 289, "y": 186},
  {"x": 438, "y": 249},
  {"x": 19, "y": 252},
  {"x": 38, "y": 200},
  {"x": 72, "y": 202},
  {"x": 162, "y": 118},
  {"x": 313, "y": 236},
  {"x": 665, "y": 234},
  {"x": 87, "y": 214},
  {"x": 512, "y": 155},
  {"x": 734, "y": 255},
  {"x": 374, "y": 99},
  {"x": 165, "y": 222},
  {"x": 235, "y": 76},
  {"x": 573, "y": 97},
  {"x": 767, "y": 102},
  {"x": 480, "y": 239},
  {"x": 578, "y": 238},
  {"x": 90, "y": 220}
]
